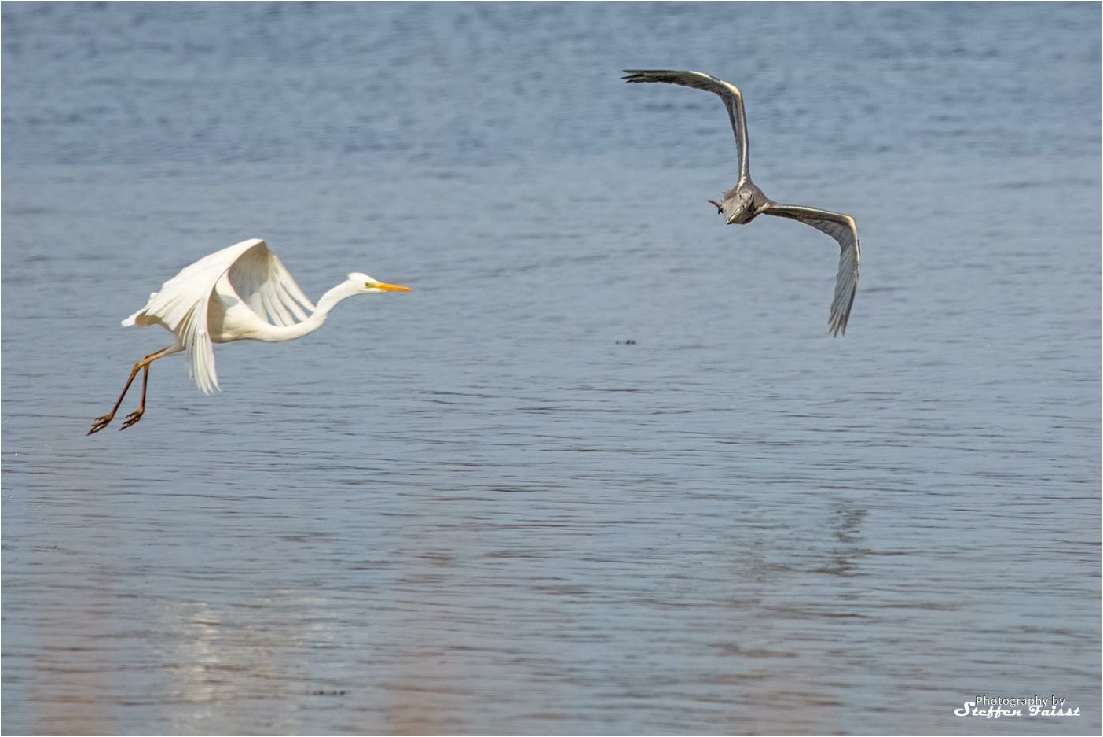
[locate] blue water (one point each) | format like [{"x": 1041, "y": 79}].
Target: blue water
[{"x": 477, "y": 507}]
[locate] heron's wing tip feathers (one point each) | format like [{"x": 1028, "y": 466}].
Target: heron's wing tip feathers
[{"x": 689, "y": 78}]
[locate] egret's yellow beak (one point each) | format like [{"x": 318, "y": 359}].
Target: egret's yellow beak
[{"x": 385, "y": 287}]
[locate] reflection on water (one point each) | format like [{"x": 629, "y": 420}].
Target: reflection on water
[{"x": 604, "y": 471}]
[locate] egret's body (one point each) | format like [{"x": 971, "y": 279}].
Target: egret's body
[
  {"x": 744, "y": 202},
  {"x": 239, "y": 293}
]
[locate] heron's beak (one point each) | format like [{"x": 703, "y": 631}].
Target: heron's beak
[
  {"x": 385, "y": 287},
  {"x": 719, "y": 207}
]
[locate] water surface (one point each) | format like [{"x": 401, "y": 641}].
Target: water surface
[{"x": 477, "y": 508}]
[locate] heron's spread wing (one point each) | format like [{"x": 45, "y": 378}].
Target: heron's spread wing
[
  {"x": 182, "y": 304},
  {"x": 843, "y": 229},
  {"x": 729, "y": 93}
]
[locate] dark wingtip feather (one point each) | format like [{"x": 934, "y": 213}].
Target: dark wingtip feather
[{"x": 646, "y": 75}]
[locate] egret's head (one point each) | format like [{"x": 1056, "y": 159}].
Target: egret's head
[{"x": 370, "y": 286}]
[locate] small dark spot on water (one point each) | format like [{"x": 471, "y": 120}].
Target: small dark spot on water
[{"x": 626, "y": 342}]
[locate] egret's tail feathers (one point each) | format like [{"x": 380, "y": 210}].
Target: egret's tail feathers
[{"x": 201, "y": 364}]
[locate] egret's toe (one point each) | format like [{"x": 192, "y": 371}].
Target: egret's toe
[
  {"x": 133, "y": 417},
  {"x": 100, "y": 423}
]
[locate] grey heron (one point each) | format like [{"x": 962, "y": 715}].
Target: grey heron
[{"x": 744, "y": 202}]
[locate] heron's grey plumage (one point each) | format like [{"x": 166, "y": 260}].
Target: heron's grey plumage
[{"x": 746, "y": 201}]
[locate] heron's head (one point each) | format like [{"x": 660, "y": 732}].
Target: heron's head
[
  {"x": 368, "y": 285},
  {"x": 737, "y": 207}
]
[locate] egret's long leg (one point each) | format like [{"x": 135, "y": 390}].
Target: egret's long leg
[
  {"x": 102, "y": 422},
  {"x": 137, "y": 414}
]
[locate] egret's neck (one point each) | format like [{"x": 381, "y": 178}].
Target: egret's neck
[{"x": 342, "y": 291}]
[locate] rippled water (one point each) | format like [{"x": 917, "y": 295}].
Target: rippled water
[{"x": 479, "y": 507}]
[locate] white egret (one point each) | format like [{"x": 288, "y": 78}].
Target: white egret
[
  {"x": 239, "y": 293},
  {"x": 746, "y": 201}
]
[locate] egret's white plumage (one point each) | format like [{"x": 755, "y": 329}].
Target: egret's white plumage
[
  {"x": 745, "y": 201},
  {"x": 242, "y": 292}
]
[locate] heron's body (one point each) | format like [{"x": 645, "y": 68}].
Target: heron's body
[
  {"x": 745, "y": 201},
  {"x": 242, "y": 292}
]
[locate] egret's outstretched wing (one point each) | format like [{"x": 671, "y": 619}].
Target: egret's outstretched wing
[
  {"x": 842, "y": 229},
  {"x": 263, "y": 283},
  {"x": 181, "y": 305},
  {"x": 732, "y": 97}
]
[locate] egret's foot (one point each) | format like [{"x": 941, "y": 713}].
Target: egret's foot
[
  {"x": 100, "y": 423},
  {"x": 133, "y": 417}
]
